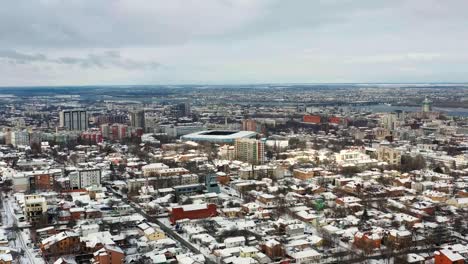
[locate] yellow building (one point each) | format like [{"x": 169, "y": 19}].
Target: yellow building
[
  {"x": 154, "y": 234},
  {"x": 389, "y": 155},
  {"x": 151, "y": 232},
  {"x": 248, "y": 252},
  {"x": 34, "y": 206}
]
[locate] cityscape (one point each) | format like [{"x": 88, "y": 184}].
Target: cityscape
[
  {"x": 235, "y": 174},
  {"x": 233, "y": 132}
]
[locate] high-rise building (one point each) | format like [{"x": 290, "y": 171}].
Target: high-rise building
[
  {"x": 389, "y": 121},
  {"x": 249, "y": 125},
  {"x": 137, "y": 118},
  {"x": 426, "y": 105},
  {"x": 75, "y": 120},
  {"x": 20, "y": 138},
  {"x": 250, "y": 150},
  {"x": 84, "y": 178},
  {"x": 183, "y": 109}
]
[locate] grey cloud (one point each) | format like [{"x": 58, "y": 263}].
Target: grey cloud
[
  {"x": 21, "y": 58},
  {"x": 110, "y": 23},
  {"x": 123, "y": 23},
  {"x": 108, "y": 59}
]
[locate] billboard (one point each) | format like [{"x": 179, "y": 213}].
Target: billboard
[
  {"x": 311, "y": 119},
  {"x": 334, "y": 120}
]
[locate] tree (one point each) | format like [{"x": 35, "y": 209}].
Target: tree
[
  {"x": 364, "y": 219},
  {"x": 36, "y": 148},
  {"x": 296, "y": 143},
  {"x": 409, "y": 163},
  {"x": 73, "y": 158}
]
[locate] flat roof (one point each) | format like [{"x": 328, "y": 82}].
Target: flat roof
[{"x": 218, "y": 135}]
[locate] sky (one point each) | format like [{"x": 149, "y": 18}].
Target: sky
[{"x": 106, "y": 42}]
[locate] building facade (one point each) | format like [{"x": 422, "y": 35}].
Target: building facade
[
  {"x": 85, "y": 178},
  {"x": 75, "y": 120},
  {"x": 137, "y": 118},
  {"x": 250, "y": 150}
]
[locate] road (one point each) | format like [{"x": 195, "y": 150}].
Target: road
[
  {"x": 11, "y": 220},
  {"x": 171, "y": 233}
]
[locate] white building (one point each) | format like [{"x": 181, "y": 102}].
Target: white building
[
  {"x": 85, "y": 178},
  {"x": 234, "y": 241},
  {"x": 20, "y": 138},
  {"x": 153, "y": 168},
  {"x": 306, "y": 256},
  {"x": 354, "y": 156}
]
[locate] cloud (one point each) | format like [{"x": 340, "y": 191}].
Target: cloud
[
  {"x": 107, "y": 59},
  {"x": 21, "y": 58},
  {"x": 237, "y": 41},
  {"x": 395, "y": 58},
  {"x": 120, "y": 23}
]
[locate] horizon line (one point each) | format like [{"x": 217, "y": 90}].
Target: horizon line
[{"x": 233, "y": 84}]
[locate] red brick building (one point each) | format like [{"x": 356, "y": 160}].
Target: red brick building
[
  {"x": 273, "y": 249},
  {"x": 43, "y": 182},
  {"x": 193, "y": 211},
  {"x": 109, "y": 255},
  {"x": 249, "y": 125},
  {"x": 64, "y": 243},
  {"x": 447, "y": 256},
  {"x": 367, "y": 241}
]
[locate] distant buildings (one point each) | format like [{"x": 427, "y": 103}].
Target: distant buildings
[
  {"x": 20, "y": 138},
  {"x": 119, "y": 131},
  {"x": 249, "y": 125},
  {"x": 175, "y": 131},
  {"x": 75, "y": 120},
  {"x": 426, "y": 105},
  {"x": 183, "y": 109},
  {"x": 250, "y": 150},
  {"x": 137, "y": 118},
  {"x": 390, "y": 121}
]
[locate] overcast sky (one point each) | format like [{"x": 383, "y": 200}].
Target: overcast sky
[{"x": 81, "y": 42}]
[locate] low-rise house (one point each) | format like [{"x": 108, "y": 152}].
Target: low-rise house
[
  {"x": 367, "y": 241},
  {"x": 347, "y": 201},
  {"x": 273, "y": 249},
  {"x": 234, "y": 241},
  {"x": 295, "y": 229},
  {"x": 64, "y": 243},
  {"x": 6, "y": 258},
  {"x": 306, "y": 256},
  {"x": 399, "y": 239},
  {"x": 458, "y": 202},
  {"x": 248, "y": 252},
  {"x": 267, "y": 200},
  {"x": 151, "y": 232},
  {"x": 109, "y": 255},
  {"x": 447, "y": 256}
]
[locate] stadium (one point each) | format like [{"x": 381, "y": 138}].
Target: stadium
[{"x": 218, "y": 136}]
